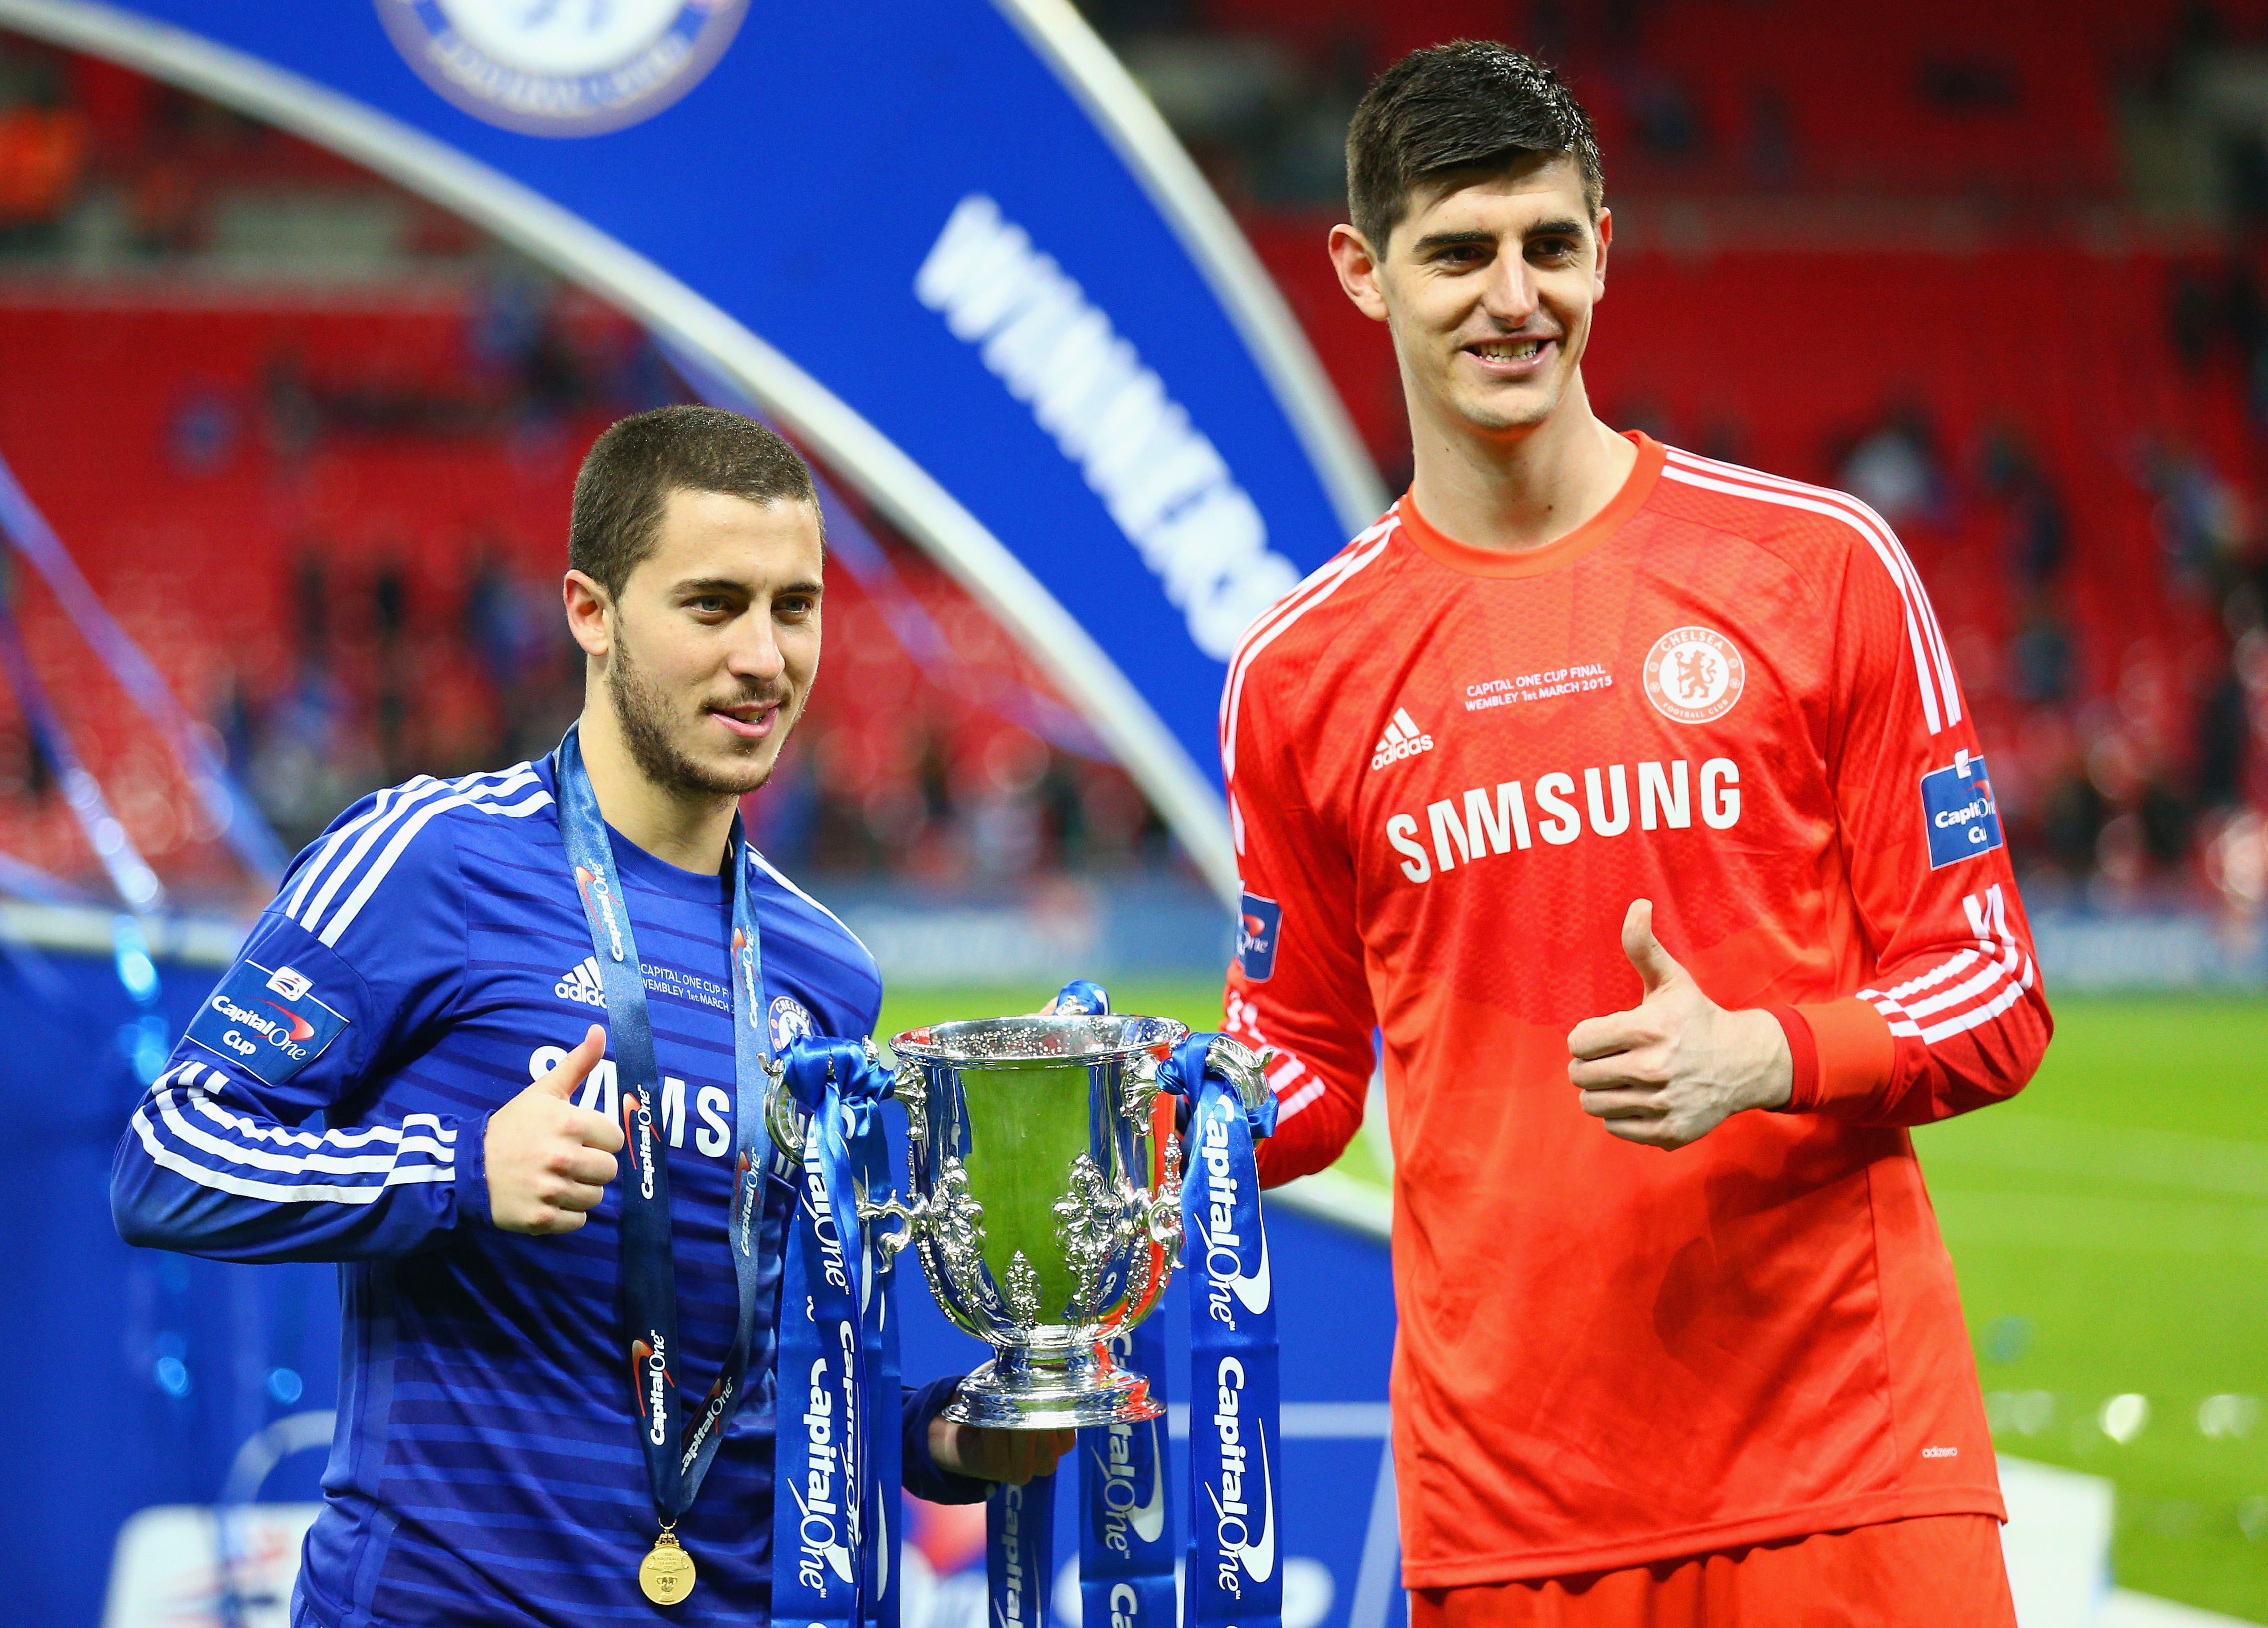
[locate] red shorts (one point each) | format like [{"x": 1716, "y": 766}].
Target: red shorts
[{"x": 1926, "y": 1572}]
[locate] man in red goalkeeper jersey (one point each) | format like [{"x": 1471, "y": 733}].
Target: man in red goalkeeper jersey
[{"x": 1631, "y": 796}]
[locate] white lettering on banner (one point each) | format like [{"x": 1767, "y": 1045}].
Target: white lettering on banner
[
  {"x": 1242, "y": 1555},
  {"x": 709, "y": 1415},
  {"x": 1127, "y": 1514},
  {"x": 642, "y": 1136},
  {"x": 1011, "y": 1563},
  {"x": 822, "y": 1215},
  {"x": 847, "y": 1334},
  {"x": 1217, "y": 1228},
  {"x": 657, "y": 1400},
  {"x": 1163, "y": 482},
  {"x": 1485, "y": 821},
  {"x": 817, "y": 1537}
]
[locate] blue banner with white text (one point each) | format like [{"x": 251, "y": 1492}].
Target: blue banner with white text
[{"x": 946, "y": 242}]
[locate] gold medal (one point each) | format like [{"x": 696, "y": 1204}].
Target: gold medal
[{"x": 666, "y": 1574}]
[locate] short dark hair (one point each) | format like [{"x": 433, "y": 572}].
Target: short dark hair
[
  {"x": 1471, "y": 104},
  {"x": 630, "y": 472}
]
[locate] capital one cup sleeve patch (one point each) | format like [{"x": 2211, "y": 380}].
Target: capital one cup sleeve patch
[
  {"x": 1958, "y": 812},
  {"x": 1258, "y": 923},
  {"x": 270, "y": 1022}
]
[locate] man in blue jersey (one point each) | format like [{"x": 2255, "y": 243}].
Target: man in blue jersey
[{"x": 430, "y": 981}]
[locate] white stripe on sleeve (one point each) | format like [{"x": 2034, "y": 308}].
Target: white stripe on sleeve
[
  {"x": 343, "y": 917},
  {"x": 1931, "y": 712},
  {"x": 1900, "y": 563},
  {"x": 1233, "y": 697}
]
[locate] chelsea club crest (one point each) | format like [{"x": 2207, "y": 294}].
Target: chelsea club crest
[
  {"x": 561, "y": 67},
  {"x": 790, "y": 1023}
]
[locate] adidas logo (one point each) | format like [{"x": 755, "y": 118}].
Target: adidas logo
[
  {"x": 1402, "y": 739},
  {"x": 581, "y": 983}
]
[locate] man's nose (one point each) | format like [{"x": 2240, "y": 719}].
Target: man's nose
[
  {"x": 756, "y": 653},
  {"x": 1510, "y": 296}
]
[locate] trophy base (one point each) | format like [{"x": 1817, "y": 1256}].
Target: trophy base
[{"x": 1059, "y": 1389}]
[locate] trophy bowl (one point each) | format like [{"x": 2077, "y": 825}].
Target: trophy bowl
[{"x": 1046, "y": 1209}]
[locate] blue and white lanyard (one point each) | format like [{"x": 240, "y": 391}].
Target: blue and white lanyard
[{"x": 676, "y": 1461}]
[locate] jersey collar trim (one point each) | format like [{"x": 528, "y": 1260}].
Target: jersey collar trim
[{"x": 1636, "y": 487}]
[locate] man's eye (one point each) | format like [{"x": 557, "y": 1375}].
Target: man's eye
[{"x": 710, "y": 605}]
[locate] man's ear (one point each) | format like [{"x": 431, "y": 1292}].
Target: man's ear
[
  {"x": 1358, "y": 271},
  {"x": 1606, "y": 229},
  {"x": 590, "y": 613}
]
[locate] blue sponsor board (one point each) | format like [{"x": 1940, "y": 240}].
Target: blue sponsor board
[
  {"x": 1258, "y": 924},
  {"x": 1958, "y": 812},
  {"x": 265, "y": 1020}
]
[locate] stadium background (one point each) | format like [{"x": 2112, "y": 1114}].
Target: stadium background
[{"x": 1997, "y": 268}]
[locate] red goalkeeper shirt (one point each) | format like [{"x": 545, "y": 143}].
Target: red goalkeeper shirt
[{"x": 1450, "y": 772}]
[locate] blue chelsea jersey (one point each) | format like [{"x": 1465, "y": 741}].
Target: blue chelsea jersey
[{"x": 425, "y": 960}]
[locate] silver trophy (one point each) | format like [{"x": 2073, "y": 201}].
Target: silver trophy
[{"x": 1047, "y": 1202}]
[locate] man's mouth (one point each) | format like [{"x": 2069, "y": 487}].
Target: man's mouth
[
  {"x": 751, "y": 720},
  {"x": 1511, "y": 356}
]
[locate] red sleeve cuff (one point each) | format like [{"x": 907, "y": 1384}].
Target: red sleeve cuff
[
  {"x": 1842, "y": 1050},
  {"x": 1803, "y": 1092}
]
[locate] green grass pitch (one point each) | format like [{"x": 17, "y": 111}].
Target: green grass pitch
[{"x": 2111, "y": 1228}]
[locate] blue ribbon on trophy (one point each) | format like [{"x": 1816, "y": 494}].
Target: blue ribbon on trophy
[
  {"x": 1235, "y": 1457},
  {"x": 837, "y": 1468},
  {"x": 1126, "y": 1553}
]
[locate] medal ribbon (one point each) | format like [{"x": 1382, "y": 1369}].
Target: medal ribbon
[
  {"x": 676, "y": 1461},
  {"x": 837, "y": 1463}
]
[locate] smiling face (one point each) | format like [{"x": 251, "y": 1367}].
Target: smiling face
[
  {"x": 1488, "y": 283},
  {"x": 709, "y": 652}
]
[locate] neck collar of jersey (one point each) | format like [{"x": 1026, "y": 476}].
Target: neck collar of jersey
[
  {"x": 1636, "y": 487},
  {"x": 659, "y": 874}
]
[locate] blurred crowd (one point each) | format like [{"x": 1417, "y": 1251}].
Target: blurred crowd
[{"x": 2127, "y": 728}]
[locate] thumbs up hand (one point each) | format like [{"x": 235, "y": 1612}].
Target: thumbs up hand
[
  {"x": 549, "y": 1162},
  {"x": 1677, "y": 1065}
]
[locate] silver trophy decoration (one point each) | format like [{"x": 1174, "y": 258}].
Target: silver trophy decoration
[{"x": 1046, "y": 1201}]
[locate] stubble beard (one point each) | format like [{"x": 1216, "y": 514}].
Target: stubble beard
[{"x": 644, "y": 712}]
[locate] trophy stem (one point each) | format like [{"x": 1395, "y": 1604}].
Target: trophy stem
[{"x": 1064, "y": 1388}]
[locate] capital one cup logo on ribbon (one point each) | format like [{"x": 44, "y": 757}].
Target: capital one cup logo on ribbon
[{"x": 561, "y": 67}]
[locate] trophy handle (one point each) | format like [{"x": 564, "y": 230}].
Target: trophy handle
[
  {"x": 786, "y": 1121},
  {"x": 1245, "y": 1070},
  {"x": 1138, "y": 1093},
  {"x": 909, "y": 1218},
  {"x": 910, "y": 1087}
]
